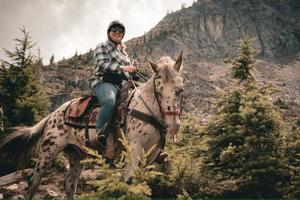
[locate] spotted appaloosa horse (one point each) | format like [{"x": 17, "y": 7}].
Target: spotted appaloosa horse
[{"x": 152, "y": 113}]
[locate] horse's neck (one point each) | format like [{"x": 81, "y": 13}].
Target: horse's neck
[{"x": 145, "y": 95}]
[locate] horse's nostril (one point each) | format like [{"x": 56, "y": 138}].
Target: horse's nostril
[{"x": 174, "y": 128}]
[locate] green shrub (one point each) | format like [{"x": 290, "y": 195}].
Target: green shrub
[{"x": 112, "y": 186}]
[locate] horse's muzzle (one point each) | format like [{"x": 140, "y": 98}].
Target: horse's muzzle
[
  {"x": 172, "y": 131},
  {"x": 173, "y": 127}
]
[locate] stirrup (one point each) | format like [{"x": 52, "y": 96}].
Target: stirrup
[{"x": 102, "y": 140}]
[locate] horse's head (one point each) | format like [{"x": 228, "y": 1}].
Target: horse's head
[{"x": 168, "y": 89}]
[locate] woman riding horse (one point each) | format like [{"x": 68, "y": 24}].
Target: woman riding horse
[{"x": 112, "y": 68}]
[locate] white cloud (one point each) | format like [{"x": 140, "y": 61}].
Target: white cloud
[{"x": 61, "y": 27}]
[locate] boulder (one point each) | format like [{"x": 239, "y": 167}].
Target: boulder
[{"x": 13, "y": 187}]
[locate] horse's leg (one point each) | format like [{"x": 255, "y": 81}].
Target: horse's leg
[
  {"x": 72, "y": 177},
  {"x": 46, "y": 156},
  {"x": 54, "y": 140},
  {"x": 130, "y": 167}
]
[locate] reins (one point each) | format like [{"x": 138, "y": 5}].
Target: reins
[{"x": 152, "y": 119}]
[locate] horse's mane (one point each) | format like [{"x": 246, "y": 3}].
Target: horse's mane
[{"x": 166, "y": 64}]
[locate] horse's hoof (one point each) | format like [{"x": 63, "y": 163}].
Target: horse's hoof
[
  {"x": 161, "y": 158},
  {"x": 129, "y": 181}
]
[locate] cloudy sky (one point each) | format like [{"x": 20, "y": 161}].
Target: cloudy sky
[{"x": 61, "y": 27}]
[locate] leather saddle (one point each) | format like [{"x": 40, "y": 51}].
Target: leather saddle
[{"x": 82, "y": 112}]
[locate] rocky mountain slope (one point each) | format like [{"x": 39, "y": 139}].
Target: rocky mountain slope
[
  {"x": 207, "y": 32},
  {"x": 210, "y": 29}
]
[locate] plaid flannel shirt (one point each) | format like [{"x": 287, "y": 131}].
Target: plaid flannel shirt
[{"x": 108, "y": 58}]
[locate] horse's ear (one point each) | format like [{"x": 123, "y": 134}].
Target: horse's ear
[
  {"x": 153, "y": 66},
  {"x": 178, "y": 62}
]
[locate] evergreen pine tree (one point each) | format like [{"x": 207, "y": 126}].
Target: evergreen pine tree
[
  {"x": 51, "y": 59},
  {"x": 246, "y": 142},
  {"x": 292, "y": 188},
  {"x": 75, "y": 55},
  {"x": 244, "y": 62},
  {"x": 1, "y": 120},
  {"x": 89, "y": 57},
  {"x": 21, "y": 95}
]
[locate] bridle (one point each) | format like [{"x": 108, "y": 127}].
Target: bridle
[
  {"x": 163, "y": 113},
  {"x": 156, "y": 120}
]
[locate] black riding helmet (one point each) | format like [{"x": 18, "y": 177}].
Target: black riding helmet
[{"x": 115, "y": 23}]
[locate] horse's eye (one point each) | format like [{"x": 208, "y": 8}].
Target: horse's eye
[{"x": 178, "y": 91}]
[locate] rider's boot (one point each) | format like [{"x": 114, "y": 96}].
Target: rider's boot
[{"x": 102, "y": 137}]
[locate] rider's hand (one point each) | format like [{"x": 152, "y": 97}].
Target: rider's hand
[
  {"x": 128, "y": 68},
  {"x": 136, "y": 64}
]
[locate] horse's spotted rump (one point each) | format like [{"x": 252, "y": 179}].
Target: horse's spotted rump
[
  {"x": 45, "y": 150},
  {"x": 47, "y": 157},
  {"x": 48, "y": 142}
]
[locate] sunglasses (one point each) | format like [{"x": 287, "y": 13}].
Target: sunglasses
[{"x": 117, "y": 30}]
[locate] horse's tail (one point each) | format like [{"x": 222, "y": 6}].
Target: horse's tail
[{"x": 17, "y": 146}]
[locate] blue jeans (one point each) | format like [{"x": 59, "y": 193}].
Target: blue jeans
[{"x": 107, "y": 94}]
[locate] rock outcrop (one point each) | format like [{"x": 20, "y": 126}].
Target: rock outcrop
[{"x": 210, "y": 29}]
